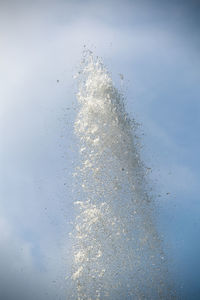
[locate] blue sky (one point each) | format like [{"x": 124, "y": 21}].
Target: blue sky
[{"x": 156, "y": 46}]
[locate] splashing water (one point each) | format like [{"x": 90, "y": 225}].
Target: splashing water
[{"x": 117, "y": 252}]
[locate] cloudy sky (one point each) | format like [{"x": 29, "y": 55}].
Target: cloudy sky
[{"x": 156, "y": 46}]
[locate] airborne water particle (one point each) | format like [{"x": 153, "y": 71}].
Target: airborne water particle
[{"x": 117, "y": 252}]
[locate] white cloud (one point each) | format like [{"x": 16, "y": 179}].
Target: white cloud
[{"x": 20, "y": 276}]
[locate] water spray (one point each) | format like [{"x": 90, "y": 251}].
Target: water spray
[{"x": 117, "y": 253}]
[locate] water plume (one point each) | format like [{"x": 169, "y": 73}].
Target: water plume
[{"x": 117, "y": 252}]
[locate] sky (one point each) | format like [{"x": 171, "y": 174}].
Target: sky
[{"x": 156, "y": 46}]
